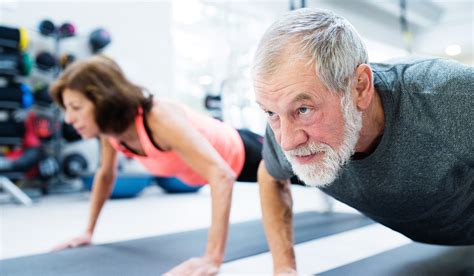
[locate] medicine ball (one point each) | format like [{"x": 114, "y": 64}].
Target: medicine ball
[
  {"x": 66, "y": 30},
  {"x": 45, "y": 61},
  {"x": 46, "y": 27},
  {"x": 99, "y": 39}
]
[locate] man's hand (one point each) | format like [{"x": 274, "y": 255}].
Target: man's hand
[
  {"x": 82, "y": 240},
  {"x": 195, "y": 267}
]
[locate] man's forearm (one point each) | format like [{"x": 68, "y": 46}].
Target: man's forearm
[{"x": 276, "y": 202}]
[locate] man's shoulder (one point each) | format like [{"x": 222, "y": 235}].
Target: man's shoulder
[
  {"x": 421, "y": 74},
  {"x": 414, "y": 66},
  {"x": 401, "y": 65}
]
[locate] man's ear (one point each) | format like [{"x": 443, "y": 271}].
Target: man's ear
[{"x": 363, "y": 86}]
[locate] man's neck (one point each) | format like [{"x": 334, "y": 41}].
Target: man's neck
[{"x": 373, "y": 122}]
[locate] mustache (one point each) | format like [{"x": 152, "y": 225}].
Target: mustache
[{"x": 308, "y": 149}]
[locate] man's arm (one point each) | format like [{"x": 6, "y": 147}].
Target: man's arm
[{"x": 276, "y": 203}]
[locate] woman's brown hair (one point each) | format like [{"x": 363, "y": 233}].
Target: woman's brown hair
[{"x": 115, "y": 98}]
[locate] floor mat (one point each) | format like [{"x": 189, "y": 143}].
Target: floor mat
[
  {"x": 414, "y": 259},
  {"x": 156, "y": 255}
]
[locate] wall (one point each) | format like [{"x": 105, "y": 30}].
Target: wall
[
  {"x": 141, "y": 42},
  {"x": 141, "y": 39}
]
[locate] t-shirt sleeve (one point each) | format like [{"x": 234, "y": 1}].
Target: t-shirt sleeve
[{"x": 275, "y": 161}]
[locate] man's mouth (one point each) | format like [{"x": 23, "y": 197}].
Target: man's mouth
[{"x": 308, "y": 158}]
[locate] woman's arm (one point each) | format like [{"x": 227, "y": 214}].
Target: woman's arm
[
  {"x": 177, "y": 134},
  {"x": 103, "y": 182},
  {"x": 102, "y": 187}
]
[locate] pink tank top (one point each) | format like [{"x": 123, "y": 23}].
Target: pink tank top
[{"x": 225, "y": 139}]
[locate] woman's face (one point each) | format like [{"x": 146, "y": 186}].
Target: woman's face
[{"x": 79, "y": 112}]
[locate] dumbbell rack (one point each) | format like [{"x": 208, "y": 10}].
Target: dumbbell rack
[
  {"x": 13, "y": 63},
  {"x": 54, "y": 111}
]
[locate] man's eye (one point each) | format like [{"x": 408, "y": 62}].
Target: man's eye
[
  {"x": 303, "y": 110},
  {"x": 270, "y": 114}
]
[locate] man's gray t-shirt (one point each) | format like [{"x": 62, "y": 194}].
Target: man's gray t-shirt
[{"x": 419, "y": 180}]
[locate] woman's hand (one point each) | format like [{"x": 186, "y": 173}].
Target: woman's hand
[{"x": 82, "y": 240}]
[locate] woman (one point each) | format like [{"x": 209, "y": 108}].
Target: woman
[{"x": 169, "y": 139}]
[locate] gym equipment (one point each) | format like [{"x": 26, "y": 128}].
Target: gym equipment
[
  {"x": 173, "y": 185},
  {"x": 156, "y": 255},
  {"x": 41, "y": 95},
  {"x": 213, "y": 102},
  {"x": 15, "y": 192},
  {"x": 66, "y": 30},
  {"x": 16, "y": 96},
  {"x": 15, "y": 63},
  {"x": 66, "y": 59},
  {"x": 99, "y": 39},
  {"x": 13, "y": 38},
  {"x": 11, "y": 133},
  {"x": 48, "y": 168},
  {"x": 69, "y": 133},
  {"x": 26, "y": 160},
  {"x": 74, "y": 165},
  {"x": 24, "y": 39},
  {"x": 44, "y": 128},
  {"x": 126, "y": 185},
  {"x": 46, "y": 27},
  {"x": 27, "y": 64},
  {"x": 45, "y": 61}
]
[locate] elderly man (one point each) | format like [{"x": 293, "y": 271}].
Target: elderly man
[{"x": 393, "y": 140}]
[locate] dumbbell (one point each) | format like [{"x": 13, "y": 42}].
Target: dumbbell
[
  {"x": 16, "y": 96},
  {"x": 74, "y": 165},
  {"x": 12, "y": 129},
  {"x": 15, "y": 63},
  {"x": 14, "y": 38}
]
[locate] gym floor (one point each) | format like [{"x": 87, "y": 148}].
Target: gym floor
[{"x": 55, "y": 218}]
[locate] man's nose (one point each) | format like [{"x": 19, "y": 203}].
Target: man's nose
[{"x": 291, "y": 136}]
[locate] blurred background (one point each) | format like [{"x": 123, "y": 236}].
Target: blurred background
[{"x": 197, "y": 52}]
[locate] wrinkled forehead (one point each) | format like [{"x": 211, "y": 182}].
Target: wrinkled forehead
[{"x": 290, "y": 77}]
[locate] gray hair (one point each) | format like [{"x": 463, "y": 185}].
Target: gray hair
[{"x": 330, "y": 41}]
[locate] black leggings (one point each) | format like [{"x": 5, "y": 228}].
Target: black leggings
[{"x": 253, "y": 144}]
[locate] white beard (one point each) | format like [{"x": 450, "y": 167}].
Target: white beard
[{"x": 322, "y": 173}]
